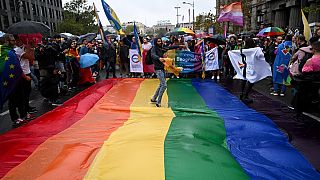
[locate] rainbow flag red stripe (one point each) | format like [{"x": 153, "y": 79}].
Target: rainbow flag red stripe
[{"x": 112, "y": 131}]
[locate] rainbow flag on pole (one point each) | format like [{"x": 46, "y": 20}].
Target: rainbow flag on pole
[
  {"x": 112, "y": 131},
  {"x": 112, "y": 17},
  {"x": 232, "y": 13}
]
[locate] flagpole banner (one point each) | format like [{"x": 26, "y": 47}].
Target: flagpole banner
[
  {"x": 101, "y": 31},
  {"x": 188, "y": 61},
  {"x": 112, "y": 17},
  {"x": 250, "y": 64},
  {"x": 112, "y": 131},
  {"x": 138, "y": 42},
  {"x": 232, "y": 13},
  {"x": 212, "y": 60},
  {"x": 136, "y": 64},
  {"x": 306, "y": 28}
]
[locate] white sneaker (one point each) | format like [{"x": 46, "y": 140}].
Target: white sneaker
[
  {"x": 212, "y": 77},
  {"x": 218, "y": 77}
]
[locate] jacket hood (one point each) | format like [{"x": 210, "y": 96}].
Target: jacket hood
[{"x": 306, "y": 49}]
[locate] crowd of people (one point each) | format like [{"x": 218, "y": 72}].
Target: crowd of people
[{"x": 53, "y": 65}]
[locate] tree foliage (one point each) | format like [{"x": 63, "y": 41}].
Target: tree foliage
[
  {"x": 161, "y": 32},
  {"x": 129, "y": 29},
  {"x": 204, "y": 21},
  {"x": 78, "y": 18}
]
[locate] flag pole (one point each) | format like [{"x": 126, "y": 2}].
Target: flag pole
[{"x": 100, "y": 28}]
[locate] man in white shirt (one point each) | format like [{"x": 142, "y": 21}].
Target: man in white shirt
[
  {"x": 146, "y": 45},
  {"x": 25, "y": 59}
]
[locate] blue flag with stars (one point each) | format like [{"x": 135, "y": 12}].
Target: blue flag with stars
[{"x": 10, "y": 72}]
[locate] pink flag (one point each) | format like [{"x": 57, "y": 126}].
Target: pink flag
[{"x": 232, "y": 13}]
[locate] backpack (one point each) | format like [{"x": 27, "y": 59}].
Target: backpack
[
  {"x": 149, "y": 58},
  {"x": 296, "y": 68}
]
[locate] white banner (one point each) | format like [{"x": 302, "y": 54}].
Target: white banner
[
  {"x": 135, "y": 64},
  {"x": 254, "y": 67},
  {"x": 212, "y": 61}
]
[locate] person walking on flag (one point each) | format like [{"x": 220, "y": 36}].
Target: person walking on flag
[{"x": 158, "y": 59}]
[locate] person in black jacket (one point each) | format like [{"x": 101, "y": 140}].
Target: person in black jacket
[
  {"x": 111, "y": 58},
  {"x": 157, "y": 55}
]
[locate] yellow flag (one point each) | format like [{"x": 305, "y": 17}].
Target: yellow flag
[{"x": 306, "y": 27}]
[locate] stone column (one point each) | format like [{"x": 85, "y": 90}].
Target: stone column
[
  {"x": 280, "y": 19},
  {"x": 9, "y": 12},
  {"x": 38, "y": 5},
  {"x": 295, "y": 20},
  {"x": 2, "y": 22},
  {"x": 31, "y": 11}
]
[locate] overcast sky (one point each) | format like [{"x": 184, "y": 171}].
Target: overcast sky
[{"x": 149, "y": 12}]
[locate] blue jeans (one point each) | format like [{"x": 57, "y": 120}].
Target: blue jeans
[
  {"x": 276, "y": 87},
  {"x": 162, "y": 86}
]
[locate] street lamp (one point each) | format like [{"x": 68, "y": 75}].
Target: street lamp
[
  {"x": 177, "y": 15},
  {"x": 193, "y": 11}
]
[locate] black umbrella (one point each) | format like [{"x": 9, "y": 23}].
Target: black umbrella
[
  {"x": 29, "y": 27},
  {"x": 112, "y": 36},
  {"x": 89, "y": 37},
  {"x": 217, "y": 39}
]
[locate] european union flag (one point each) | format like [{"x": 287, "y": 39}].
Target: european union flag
[
  {"x": 112, "y": 17},
  {"x": 10, "y": 72}
]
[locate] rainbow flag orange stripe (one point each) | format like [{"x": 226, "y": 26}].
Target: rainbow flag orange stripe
[{"x": 119, "y": 134}]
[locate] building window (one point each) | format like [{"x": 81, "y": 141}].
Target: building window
[
  {"x": 38, "y": 12},
  {"x": 6, "y": 22},
  {"x": 34, "y": 10},
  {"x": 260, "y": 17},
  {"x": 13, "y": 7}
]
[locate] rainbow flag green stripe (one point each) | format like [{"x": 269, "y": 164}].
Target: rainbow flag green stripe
[{"x": 195, "y": 146}]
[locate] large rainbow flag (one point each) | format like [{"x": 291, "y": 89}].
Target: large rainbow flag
[{"x": 111, "y": 131}]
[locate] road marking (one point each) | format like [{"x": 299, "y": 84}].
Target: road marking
[
  {"x": 312, "y": 116},
  {"x": 4, "y": 113}
]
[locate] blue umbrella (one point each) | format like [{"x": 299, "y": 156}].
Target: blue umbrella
[
  {"x": 2, "y": 33},
  {"x": 88, "y": 60},
  {"x": 165, "y": 39}
]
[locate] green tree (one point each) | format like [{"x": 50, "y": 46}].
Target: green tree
[
  {"x": 205, "y": 21},
  {"x": 161, "y": 32},
  {"x": 78, "y": 18},
  {"x": 129, "y": 29}
]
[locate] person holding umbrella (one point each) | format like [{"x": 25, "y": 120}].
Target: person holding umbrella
[{"x": 85, "y": 73}]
